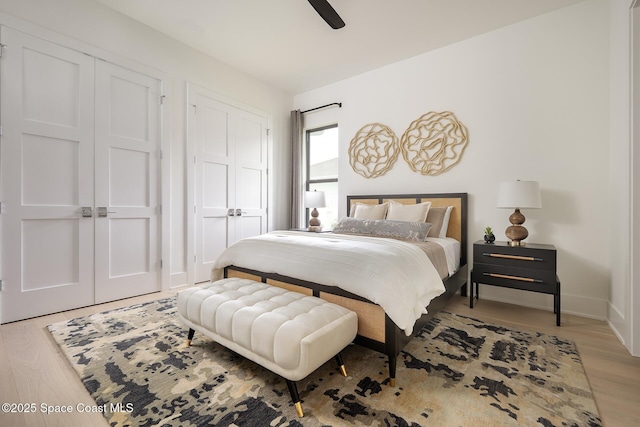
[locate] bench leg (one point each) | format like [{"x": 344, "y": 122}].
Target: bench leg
[
  {"x": 293, "y": 390},
  {"x": 392, "y": 370},
  {"x": 341, "y": 364},
  {"x": 190, "y": 336}
]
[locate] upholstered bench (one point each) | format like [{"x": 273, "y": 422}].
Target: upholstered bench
[{"x": 289, "y": 333}]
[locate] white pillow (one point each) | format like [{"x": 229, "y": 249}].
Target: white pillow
[
  {"x": 412, "y": 213},
  {"x": 445, "y": 222},
  {"x": 365, "y": 211}
]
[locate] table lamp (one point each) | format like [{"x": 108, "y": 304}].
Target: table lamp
[
  {"x": 518, "y": 195},
  {"x": 314, "y": 199}
]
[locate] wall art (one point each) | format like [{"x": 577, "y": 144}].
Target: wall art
[
  {"x": 373, "y": 150},
  {"x": 434, "y": 143}
]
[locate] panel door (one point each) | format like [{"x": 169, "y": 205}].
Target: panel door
[
  {"x": 47, "y": 177},
  {"x": 127, "y": 176},
  {"x": 230, "y": 146},
  {"x": 211, "y": 132},
  {"x": 251, "y": 174}
]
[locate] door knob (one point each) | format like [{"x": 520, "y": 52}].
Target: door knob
[
  {"x": 239, "y": 212},
  {"x": 231, "y": 212},
  {"x": 87, "y": 211},
  {"x": 103, "y": 212}
]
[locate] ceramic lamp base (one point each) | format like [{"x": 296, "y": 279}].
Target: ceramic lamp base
[
  {"x": 516, "y": 232},
  {"x": 314, "y": 221}
]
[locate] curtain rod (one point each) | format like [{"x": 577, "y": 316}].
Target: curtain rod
[{"x": 339, "y": 104}]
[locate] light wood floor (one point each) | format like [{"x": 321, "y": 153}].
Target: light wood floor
[{"x": 33, "y": 370}]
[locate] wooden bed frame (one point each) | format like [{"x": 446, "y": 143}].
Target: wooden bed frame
[{"x": 375, "y": 330}]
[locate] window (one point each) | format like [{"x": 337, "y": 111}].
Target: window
[{"x": 322, "y": 171}]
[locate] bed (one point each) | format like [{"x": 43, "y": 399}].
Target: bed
[{"x": 376, "y": 329}]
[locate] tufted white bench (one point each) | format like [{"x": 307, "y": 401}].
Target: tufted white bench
[{"x": 289, "y": 333}]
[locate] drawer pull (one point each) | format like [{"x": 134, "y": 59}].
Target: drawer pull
[
  {"x": 505, "y": 276},
  {"x": 518, "y": 257}
]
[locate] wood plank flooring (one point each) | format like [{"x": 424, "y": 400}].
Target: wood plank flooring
[{"x": 34, "y": 371}]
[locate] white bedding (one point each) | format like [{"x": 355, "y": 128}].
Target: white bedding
[
  {"x": 394, "y": 274},
  {"x": 451, "y": 250}
]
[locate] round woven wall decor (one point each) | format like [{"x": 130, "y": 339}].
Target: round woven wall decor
[
  {"x": 434, "y": 143},
  {"x": 374, "y": 150}
]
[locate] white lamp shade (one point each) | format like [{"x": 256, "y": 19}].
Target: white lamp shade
[
  {"x": 314, "y": 199},
  {"x": 519, "y": 194}
]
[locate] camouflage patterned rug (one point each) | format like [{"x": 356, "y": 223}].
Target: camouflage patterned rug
[{"x": 458, "y": 372}]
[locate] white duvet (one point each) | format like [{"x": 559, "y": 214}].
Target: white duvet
[{"x": 391, "y": 273}]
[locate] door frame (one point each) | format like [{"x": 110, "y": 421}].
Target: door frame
[
  {"x": 633, "y": 307},
  {"x": 165, "y": 120},
  {"x": 190, "y": 90}
]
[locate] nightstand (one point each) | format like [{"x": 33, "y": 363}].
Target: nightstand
[{"x": 529, "y": 268}]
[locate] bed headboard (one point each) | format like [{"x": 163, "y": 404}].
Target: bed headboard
[{"x": 457, "y": 222}]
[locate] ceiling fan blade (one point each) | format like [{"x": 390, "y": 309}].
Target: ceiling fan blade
[{"x": 328, "y": 13}]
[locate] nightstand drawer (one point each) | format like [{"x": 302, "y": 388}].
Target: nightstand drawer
[
  {"x": 544, "y": 281},
  {"x": 529, "y": 257}
]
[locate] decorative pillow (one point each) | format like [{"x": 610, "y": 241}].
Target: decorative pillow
[
  {"x": 413, "y": 213},
  {"x": 383, "y": 228},
  {"x": 438, "y": 216},
  {"x": 366, "y": 211},
  {"x": 445, "y": 222}
]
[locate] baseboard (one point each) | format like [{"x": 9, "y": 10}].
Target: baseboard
[
  {"x": 618, "y": 324},
  {"x": 578, "y": 305}
]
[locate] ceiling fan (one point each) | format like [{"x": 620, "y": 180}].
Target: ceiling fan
[{"x": 327, "y": 13}]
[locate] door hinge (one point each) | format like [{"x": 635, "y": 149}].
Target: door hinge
[
  {"x": 0, "y": 130},
  {"x": 195, "y": 258},
  {"x": 195, "y": 209},
  {"x": 268, "y": 131},
  {"x": 2, "y": 46},
  {"x": 159, "y": 209},
  {"x": 0, "y": 285},
  {"x": 160, "y": 264},
  {"x": 162, "y": 97},
  {"x": 161, "y": 154}
]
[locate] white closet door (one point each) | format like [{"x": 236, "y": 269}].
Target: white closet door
[
  {"x": 212, "y": 135},
  {"x": 230, "y": 147},
  {"x": 47, "y": 177},
  {"x": 251, "y": 174},
  {"x": 127, "y": 176}
]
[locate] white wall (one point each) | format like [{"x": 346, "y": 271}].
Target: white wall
[
  {"x": 535, "y": 99},
  {"x": 113, "y": 34}
]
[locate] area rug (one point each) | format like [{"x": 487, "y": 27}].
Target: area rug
[{"x": 458, "y": 371}]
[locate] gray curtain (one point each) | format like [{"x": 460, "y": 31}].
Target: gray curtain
[{"x": 297, "y": 125}]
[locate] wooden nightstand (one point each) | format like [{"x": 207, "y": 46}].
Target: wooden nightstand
[{"x": 530, "y": 268}]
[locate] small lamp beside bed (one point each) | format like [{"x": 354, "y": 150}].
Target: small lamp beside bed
[
  {"x": 314, "y": 199},
  {"x": 518, "y": 195}
]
